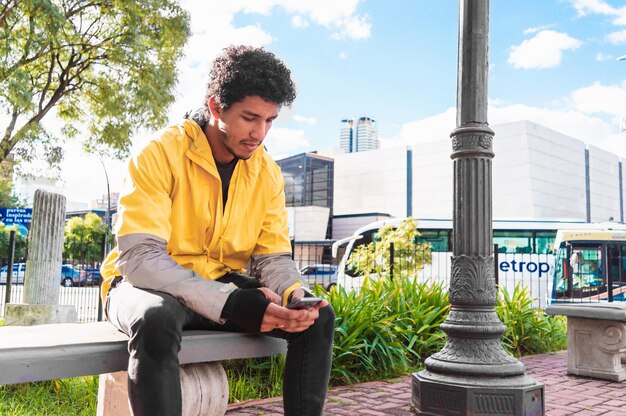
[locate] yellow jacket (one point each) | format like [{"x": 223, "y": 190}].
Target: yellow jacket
[{"x": 174, "y": 193}]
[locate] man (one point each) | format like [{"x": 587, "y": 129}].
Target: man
[{"x": 204, "y": 200}]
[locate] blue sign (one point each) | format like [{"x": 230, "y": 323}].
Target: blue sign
[{"x": 17, "y": 216}]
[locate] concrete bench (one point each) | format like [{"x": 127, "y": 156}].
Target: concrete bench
[
  {"x": 596, "y": 338},
  {"x": 46, "y": 352}
]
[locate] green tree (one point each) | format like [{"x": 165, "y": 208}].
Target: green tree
[
  {"x": 20, "y": 243},
  {"x": 7, "y": 198},
  {"x": 410, "y": 255},
  {"x": 107, "y": 66},
  {"x": 83, "y": 239}
]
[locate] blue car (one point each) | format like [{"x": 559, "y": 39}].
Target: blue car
[
  {"x": 74, "y": 277},
  {"x": 324, "y": 275}
]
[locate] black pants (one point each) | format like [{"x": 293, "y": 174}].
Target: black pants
[{"x": 154, "y": 321}]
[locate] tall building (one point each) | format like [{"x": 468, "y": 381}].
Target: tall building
[
  {"x": 358, "y": 135},
  {"x": 308, "y": 192}
]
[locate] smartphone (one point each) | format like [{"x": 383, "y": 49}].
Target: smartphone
[{"x": 304, "y": 303}]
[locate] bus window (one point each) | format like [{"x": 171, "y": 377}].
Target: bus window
[
  {"x": 439, "y": 239},
  {"x": 544, "y": 241},
  {"x": 578, "y": 272},
  {"x": 367, "y": 237},
  {"x": 586, "y": 263},
  {"x": 513, "y": 241}
]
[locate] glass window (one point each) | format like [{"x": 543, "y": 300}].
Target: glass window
[
  {"x": 439, "y": 239},
  {"x": 586, "y": 263},
  {"x": 545, "y": 241},
  {"x": 513, "y": 241}
]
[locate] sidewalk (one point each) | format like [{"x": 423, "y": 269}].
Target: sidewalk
[{"x": 564, "y": 395}]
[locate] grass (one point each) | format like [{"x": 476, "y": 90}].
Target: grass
[{"x": 68, "y": 397}]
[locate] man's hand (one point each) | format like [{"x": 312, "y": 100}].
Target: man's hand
[
  {"x": 289, "y": 320},
  {"x": 297, "y": 294},
  {"x": 271, "y": 296}
]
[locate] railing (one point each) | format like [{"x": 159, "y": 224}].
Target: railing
[{"x": 85, "y": 299}]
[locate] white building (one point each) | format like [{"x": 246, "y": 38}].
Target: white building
[
  {"x": 25, "y": 186},
  {"x": 537, "y": 173},
  {"x": 358, "y": 135},
  {"x": 374, "y": 181}
]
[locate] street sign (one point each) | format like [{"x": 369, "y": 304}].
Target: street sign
[{"x": 18, "y": 216}]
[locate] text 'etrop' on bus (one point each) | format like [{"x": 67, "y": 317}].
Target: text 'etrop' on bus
[{"x": 556, "y": 260}]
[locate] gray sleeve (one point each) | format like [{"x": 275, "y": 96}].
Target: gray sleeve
[
  {"x": 144, "y": 262},
  {"x": 278, "y": 272}
]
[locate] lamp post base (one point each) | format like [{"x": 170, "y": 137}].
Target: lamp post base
[{"x": 451, "y": 395}]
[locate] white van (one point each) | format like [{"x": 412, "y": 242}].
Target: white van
[{"x": 17, "y": 277}]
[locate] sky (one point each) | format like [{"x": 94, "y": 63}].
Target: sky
[{"x": 553, "y": 62}]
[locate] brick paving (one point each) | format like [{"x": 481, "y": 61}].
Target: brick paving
[{"x": 564, "y": 395}]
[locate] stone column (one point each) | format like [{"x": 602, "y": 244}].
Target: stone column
[
  {"x": 42, "y": 279},
  {"x": 204, "y": 391},
  {"x": 472, "y": 374}
]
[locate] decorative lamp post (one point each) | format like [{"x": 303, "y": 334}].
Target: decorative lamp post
[{"x": 472, "y": 374}]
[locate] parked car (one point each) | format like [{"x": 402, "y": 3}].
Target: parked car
[
  {"x": 71, "y": 276},
  {"x": 94, "y": 276},
  {"x": 324, "y": 275},
  {"x": 17, "y": 277}
]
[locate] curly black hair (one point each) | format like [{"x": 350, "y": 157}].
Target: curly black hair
[{"x": 242, "y": 71}]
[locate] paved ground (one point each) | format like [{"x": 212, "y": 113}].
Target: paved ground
[{"x": 564, "y": 395}]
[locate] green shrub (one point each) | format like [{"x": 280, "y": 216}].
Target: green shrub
[
  {"x": 529, "y": 330},
  {"x": 385, "y": 329}
]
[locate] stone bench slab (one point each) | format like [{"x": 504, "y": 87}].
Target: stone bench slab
[
  {"x": 45, "y": 352},
  {"x": 611, "y": 311}
]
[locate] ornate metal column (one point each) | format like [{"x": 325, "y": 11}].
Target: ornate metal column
[{"x": 472, "y": 374}]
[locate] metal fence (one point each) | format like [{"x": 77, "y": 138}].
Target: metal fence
[
  {"x": 533, "y": 271},
  {"x": 85, "y": 299},
  {"x": 314, "y": 252}
]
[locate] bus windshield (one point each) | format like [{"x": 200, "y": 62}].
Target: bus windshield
[{"x": 590, "y": 266}]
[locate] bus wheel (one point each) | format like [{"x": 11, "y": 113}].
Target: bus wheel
[{"x": 67, "y": 282}]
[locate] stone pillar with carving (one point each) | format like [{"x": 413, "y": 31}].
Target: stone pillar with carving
[
  {"x": 42, "y": 278},
  {"x": 472, "y": 374}
]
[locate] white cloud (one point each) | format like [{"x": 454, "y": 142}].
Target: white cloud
[
  {"x": 281, "y": 142},
  {"x": 355, "y": 27},
  {"x": 307, "y": 120},
  {"x": 299, "y": 21},
  {"x": 437, "y": 127},
  {"x": 545, "y": 50},
  {"x": 602, "y": 57},
  {"x": 340, "y": 16},
  {"x": 617, "y": 38},
  {"x": 531, "y": 30},
  {"x": 600, "y": 99},
  {"x": 343, "y": 55},
  {"x": 587, "y": 7}
]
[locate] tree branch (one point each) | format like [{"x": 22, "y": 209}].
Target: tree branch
[
  {"x": 5, "y": 144},
  {"x": 6, "y": 11}
]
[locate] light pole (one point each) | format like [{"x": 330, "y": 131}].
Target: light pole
[
  {"x": 107, "y": 224},
  {"x": 472, "y": 374},
  {"x": 107, "y": 219}
]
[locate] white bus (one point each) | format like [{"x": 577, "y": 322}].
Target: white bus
[
  {"x": 590, "y": 265},
  {"x": 525, "y": 251}
]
